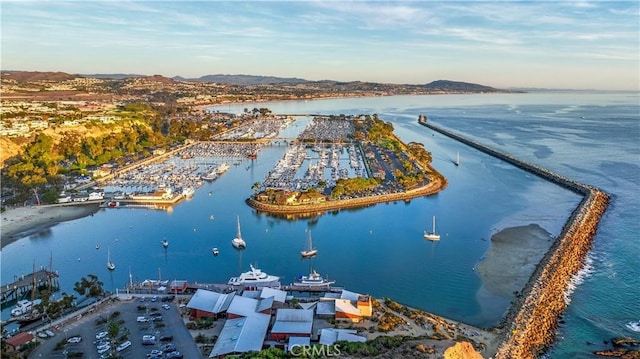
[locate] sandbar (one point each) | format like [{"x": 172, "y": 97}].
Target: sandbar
[
  {"x": 514, "y": 254},
  {"x": 24, "y": 221}
]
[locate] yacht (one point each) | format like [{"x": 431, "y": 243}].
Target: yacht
[
  {"x": 313, "y": 280},
  {"x": 211, "y": 176},
  {"x": 254, "y": 277},
  {"x": 24, "y": 306},
  {"x": 215, "y": 251},
  {"x": 310, "y": 251},
  {"x": 432, "y": 236},
  {"x": 238, "y": 242},
  {"x": 222, "y": 168}
]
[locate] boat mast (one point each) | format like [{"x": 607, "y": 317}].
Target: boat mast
[
  {"x": 239, "y": 234},
  {"x": 434, "y": 224}
]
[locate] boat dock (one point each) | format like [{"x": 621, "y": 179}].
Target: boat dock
[{"x": 24, "y": 283}]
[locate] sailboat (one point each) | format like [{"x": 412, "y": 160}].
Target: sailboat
[
  {"x": 110, "y": 264},
  {"x": 310, "y": 251},
  {"x": 215, "y": 251},
  {"x": 238, "y": 242},
  {"x": 165, "y": 243},
  {"x": 432, "y": 236},
  {"x": 457, "y": 161}
]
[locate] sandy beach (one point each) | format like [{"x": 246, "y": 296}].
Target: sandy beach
[
  {"x": 23, "y": 221},
  {"x": 514, "y": 254}
]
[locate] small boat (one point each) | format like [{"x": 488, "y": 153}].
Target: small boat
[
  {"x": 97, "y": 246},
  {"x": 211, "y": 176},
  {"x": 313, "y": 280},
  {"x": 457, "y": 161},
  {"x": 215, "y": 251},
  {"x": 113, "y": 204},
  {"x": 432, "y": 236},
  {"x": 211, "y": 217},
  {"x": 165, "y": 243},
  {"x": 238, "y": 242},
  {"x": 110, "y": 264},
  {"x": 310, "y": 251}
]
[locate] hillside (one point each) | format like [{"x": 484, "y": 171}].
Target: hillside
[
  {"x": 456, "y": 86},
  {"x": 34, "y": 76},
  {"x": 242, "y": 79}
]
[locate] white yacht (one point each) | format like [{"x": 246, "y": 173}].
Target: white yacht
[
  {"x": 432, "y": 236},
  {"x": 310, "y": 251},
  {"x": 254, "y": 277},
  {"x": 238, "y": 242},
  {"x": 313, "y": 280}
]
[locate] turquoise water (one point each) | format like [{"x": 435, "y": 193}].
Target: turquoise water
[{"x": 592, "y": 137}]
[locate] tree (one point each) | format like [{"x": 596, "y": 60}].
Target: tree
[
  {"x": 90, "y": 287},
  {"x": 256, "y": 187}
]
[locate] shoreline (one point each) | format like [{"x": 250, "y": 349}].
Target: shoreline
[{"x": 22, "y": 222}]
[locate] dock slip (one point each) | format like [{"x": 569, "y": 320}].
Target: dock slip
[{"x": 24, "y": 283}]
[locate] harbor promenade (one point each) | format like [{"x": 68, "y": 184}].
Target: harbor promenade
[{"x": 529, "y": 327}]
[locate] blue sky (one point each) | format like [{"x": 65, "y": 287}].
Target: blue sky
[{"x": 554, "y": 44}]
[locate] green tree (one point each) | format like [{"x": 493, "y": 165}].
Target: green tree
[{"x": 90, "y": 286}]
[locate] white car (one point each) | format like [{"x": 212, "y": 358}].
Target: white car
[
  {"x": 142, "y": 319},
  {"x": 103, "y": 350},
  {"x": 101, "y": 335},
  {"x": 123, "y": 346},
  {"x": 166, "y": 306},
  {"x": 74, "y": 340}
]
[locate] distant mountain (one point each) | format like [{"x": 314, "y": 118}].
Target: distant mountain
[
  {"x": 242, "y": 79},
  {"x": 33, "y": 76},
  {"x": 112, "y": 76},
  {"x": 455, "y": 86}
]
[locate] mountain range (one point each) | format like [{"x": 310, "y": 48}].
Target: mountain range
[{"x": 246, "y": 80}]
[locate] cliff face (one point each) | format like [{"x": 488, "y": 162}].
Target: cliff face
[{"x": 462, "y": 350}]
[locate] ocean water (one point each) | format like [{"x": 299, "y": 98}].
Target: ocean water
[{"x": 592, "y": 137}]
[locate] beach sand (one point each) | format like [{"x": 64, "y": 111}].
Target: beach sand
[
  {"x": 514, "y": 254},
  {"x": 21, "y": 222}
]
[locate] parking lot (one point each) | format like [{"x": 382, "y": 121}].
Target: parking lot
[{"x": 158, "y": 322}]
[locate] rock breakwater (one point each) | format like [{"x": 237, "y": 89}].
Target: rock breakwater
[{"x": 529, "y": 327}]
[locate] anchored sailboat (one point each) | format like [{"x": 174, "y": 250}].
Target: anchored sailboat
[
  {"x": 457, "y": 161},
  {"x": 310, "y": 251},
  {"x": 238, "y": 242},
  {"x": 432, "y": 236},
  {"x": 110, "y": 264}
]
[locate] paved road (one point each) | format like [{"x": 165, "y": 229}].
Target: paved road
[{"x": 89, "y": 325}]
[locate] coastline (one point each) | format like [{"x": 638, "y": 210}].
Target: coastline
[{"x": 24, "y": 221}]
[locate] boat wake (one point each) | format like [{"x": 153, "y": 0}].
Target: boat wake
[
  {"x": 634, "y": 326},
  {"x": 579, "y": 278}
]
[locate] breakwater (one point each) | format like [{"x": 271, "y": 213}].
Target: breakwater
[{"x": 529, "y": 327}]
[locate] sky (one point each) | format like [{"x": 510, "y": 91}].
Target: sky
[{"x": 547, "y": 44}]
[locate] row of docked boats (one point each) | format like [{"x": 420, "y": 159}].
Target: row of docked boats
[{"x": 257, "y": 278}]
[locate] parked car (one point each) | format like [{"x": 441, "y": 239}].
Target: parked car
[
  {"x": 101, "y": 335},
  {"x": 103, "y": 350},
  {"x": 166, "y": 338},
  {"x": 148, "y": 339},
  {"x": 170, "y": 347},
  {"x": 50, "y": 333},
  {"x": 157, "y": 318},
  {"x": 166, "y": 306},
  {"x": 154, "y": 298},
  {"x": 123, "y": 346},
  {"x": 73, "y": 340},
  {"x": 142, "y": 319},
  {"x": 155, "y": 352},
  {"x": 176, "y": 355}
]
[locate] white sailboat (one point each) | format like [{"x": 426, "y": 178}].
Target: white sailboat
[
  {"x": 310, "y": 251},
  {"x": 165, "y": 243},
  {"x": 457, "y": 162},
  {"x": 432, "y": 236},
  {"x": 110, "y": 264},
  {"x": 238, "y": 242}
]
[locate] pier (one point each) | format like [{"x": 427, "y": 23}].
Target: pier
[
  {"x": 529, "y": 327},
  {"x": 25, "y": 283}
]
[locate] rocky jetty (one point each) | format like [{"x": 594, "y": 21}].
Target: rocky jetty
[{"x": 530, "y": 325}]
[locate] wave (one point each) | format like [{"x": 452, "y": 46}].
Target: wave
[
  {"x": 579, "y": 278},
  {"x": 633, "y": 326}
]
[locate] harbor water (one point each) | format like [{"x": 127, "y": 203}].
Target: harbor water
[{"x": 592, "y": 137}]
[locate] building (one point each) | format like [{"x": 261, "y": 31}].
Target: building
[
  {"x": 292, "y": 323},
  {"x": 19, "y": 340},
  {"x": 208, "y": 304},
  {"x": 353, "y": 306},
  {"x": 328, "y": 336}
]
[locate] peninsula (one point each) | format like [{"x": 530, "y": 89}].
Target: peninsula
[{"x": 383, "y": 169}]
